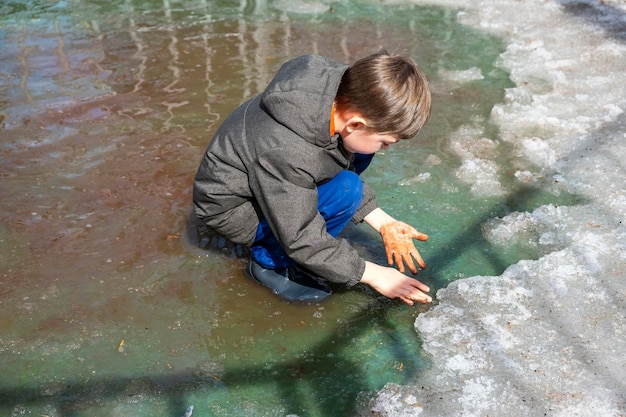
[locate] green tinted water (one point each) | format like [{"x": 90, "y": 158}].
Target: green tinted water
[{"x": 109, "y": 308}]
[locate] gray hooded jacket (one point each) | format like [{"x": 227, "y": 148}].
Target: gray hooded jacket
[{"x": 267, "y": 158}]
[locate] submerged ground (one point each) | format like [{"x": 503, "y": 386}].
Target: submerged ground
[{"x": 112, "y": 305}]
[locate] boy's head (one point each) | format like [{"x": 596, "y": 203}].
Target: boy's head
[{"x": 391, "y": 93}]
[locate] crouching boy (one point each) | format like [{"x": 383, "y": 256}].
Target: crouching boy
[{"x": 281, "y": 175}]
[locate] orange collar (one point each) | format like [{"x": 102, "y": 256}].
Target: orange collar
[{"x": 332, "y": 121}]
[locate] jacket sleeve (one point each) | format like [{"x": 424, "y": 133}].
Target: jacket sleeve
[
  {"x": 368, "y": 204},
  {"x": 287, "y": 196}
]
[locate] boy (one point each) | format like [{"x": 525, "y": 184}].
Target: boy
[{"x": 281, "y": 175}]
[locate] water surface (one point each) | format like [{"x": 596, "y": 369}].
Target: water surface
[{"x": 111, "y": 304}]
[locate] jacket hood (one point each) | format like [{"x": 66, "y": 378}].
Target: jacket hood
[{"x": 301, "y": 95}]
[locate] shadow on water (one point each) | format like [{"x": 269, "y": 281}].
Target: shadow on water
[
  {"x": 604, "y": 16},
  {"x": 291, "y": 378},
  {"x": 325, "y": 378}
]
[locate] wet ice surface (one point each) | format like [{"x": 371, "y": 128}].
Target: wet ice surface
[{"x": 547, "y": 336}]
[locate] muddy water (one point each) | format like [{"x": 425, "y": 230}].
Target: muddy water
[{"x": 111, "y": 304}]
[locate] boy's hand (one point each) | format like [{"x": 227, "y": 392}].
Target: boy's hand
[
  {"x": 398, "y": 238},
  {"x": 393, "y": 284}
]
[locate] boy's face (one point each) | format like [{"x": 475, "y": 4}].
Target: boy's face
[
  {"x": 352, "y": 126},
  {"x": 366, "y": 142}
]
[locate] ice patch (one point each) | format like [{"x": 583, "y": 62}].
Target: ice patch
[
  {"x": 478, "y": 169},
  {"x": 423, "y": 177},
  {"x": 544, "y": 227},
  {"x": 462, "y": 76},
  {"x": 302, "y": 6},
  {"x": 540, "y": 153},
  {"x": 395, "y": 402}
]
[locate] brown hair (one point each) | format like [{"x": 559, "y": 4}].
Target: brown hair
[{"x": 390, "y": 91}]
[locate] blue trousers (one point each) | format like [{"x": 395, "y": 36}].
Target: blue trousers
[{"x": 338, "y": 200}]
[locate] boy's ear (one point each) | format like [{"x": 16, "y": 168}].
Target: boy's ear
[{"x": 356, "y": 121}]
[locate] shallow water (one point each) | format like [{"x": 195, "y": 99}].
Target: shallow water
[{"x": 109, "y": 307}]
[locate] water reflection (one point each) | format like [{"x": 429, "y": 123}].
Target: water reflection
[{"x": 106, "y": 109}]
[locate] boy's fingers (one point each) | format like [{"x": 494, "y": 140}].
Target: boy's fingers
[
  {"x": 406, "y": 301},
  {"x": 400, "y": 262},
  {"x": 422, "y": 298},
  {"x": 420, "y": 236},
  {"x": 422, "y": 287},
  {"x": 419, "y": 297},
  {"x": 420, "y": 261},
  {"x": 389, "y": 256},
  {"x": 412, "y": 266}
]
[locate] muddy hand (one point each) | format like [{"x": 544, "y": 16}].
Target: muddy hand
[{"x": 398, "y": 238}]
